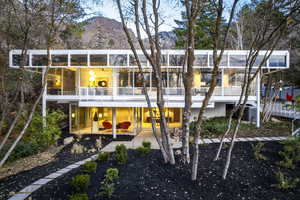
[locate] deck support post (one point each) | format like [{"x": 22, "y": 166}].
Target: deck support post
[
  {"x": 114, "y": 121},
  {"x": 258, "y": 100},
  {"x": 44, "y": 102}
]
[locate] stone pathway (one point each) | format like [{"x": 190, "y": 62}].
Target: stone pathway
[{"x": 137, "y": 141}]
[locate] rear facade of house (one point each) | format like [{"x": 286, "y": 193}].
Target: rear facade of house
[{"x": 103, "y": 88}]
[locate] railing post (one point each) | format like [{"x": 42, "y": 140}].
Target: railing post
[{"x": 258, "y": 100}]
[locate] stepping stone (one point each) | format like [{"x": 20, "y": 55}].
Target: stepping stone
[
  {"x": 72, "y": 166},
  {"x": 208, "y": 141},
  {"x": 242, "y": 139},
  {"x": 19, "y": 196},
  {"x": 200, "y": 141},
  {"x": 31, "y": 188},
  {"x": 250, "y": 139},
  {"x": 260, "y": 139},
  {"x": 53, "y": 175},
  {"x": 64, "y": 170},
  {"x": 268, "y": 138},
  {"x": 94, "y": 157},
  {"x": 215, "y": 140},
  {"x": 276, "y": 138},
  {"x": 238, "y": 139},
  {"x": 80, "y": 162},
  {"x": 41, "y": 181},
  {"x": 225, "y": 140}
]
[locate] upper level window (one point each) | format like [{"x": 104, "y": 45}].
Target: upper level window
[
  {"x": 176, "y": 60},
  {"x": 98, "y": 60},
  {"x": 277, "y": 61},
  {"x": 164, "y": 60},
  {"x": 200, "y": 60},
  {"x": 133, "y": 62},
  {"x": 59, "y": 60},
  {"x": 39, "y": 60},
  {"x": 237, "y": 60},
  {"x": 79, "y": 60},
  {"x": 118, "y": 60},
  {"x": 16, "y": 60},
  {"x": 258, "y": 61},
  {"x": 222, "y": 63}
]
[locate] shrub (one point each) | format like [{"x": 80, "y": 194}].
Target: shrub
[
  {"x": 107, "y": 190},
  {"x": 147, "y": 144},
  {"x": 111, "y": 174},
  {"x": 103, "y": 156},
  {"x": 143, "y": 150},
  {"x": 79, "y": 196},
  {"x": 290, "y": 153},
  {"x": 121, "y": 154},
  {"x": 108, "y": 185},
  {"x": 285, "y": 183},
  {"x": 46, "y": 136},
  {"x": 80, "y": 182},
  {"x": 258, "y": 148},
  {"x": 89, "y": 167},
  {"x": 23, "y": 149}
]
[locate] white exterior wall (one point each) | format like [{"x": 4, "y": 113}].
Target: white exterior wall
[{"x": 218, "y": 111}]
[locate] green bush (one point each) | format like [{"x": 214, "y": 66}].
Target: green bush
[
  {"x": 258, "y": 148},
  {"x": 107, "y": 190},
  {"x": 285, "y": 183},
  {"x": 108, "y": 185},
  {"x": 103, "y": 156},
  {"x": 290, "y": 153},
  {"x": 46, "y": 136},
  {"x": 22, "y": 150},
  {"x": 111, "y": 174},
  {"x": 143, "y": 150},
  {"x": 147, "y": 144},
  {"x": 89, "y": 167},
  {"x": 79, "y": 196},
  {"x": 80, "y": 182},
  {"x": 121, "y": 154}
]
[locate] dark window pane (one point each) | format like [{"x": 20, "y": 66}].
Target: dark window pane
[
  {"x": 237, "y": 60},
  {"x": 59, "y": 60},
  {"x": 200, "y": 60},
  {"x": 176, "y": 60},
  {"x": 79, "y": 60},
  {"x": 277, "y": 61},
  {"x": 39, "y": 60},
  {"x": 222, "y": 63},
  {"x": 16, "y": 60},
  {"x": 142, "y": 58},
  {"x": 98, "y": 60},
  {"x": 259, "y": 60},
  {"x": 164, "y": 60},
  {"x": 118, "y": 60}
]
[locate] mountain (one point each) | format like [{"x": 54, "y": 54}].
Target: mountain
[{"x": 106, "y": 33}]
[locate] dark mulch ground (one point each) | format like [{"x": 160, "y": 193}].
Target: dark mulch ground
[
  {"x": 62, "y": 159},
  {"x": 148, "y": 178}
]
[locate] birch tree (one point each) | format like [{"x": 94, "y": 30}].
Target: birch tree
[
  {"x": 268, "y": 27},
  {"x": 219, "y": 42},
  {"x": 54, "y": 14},
  {"x": 146, "y": 17}
]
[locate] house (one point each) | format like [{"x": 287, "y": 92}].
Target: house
[{"x": 103, "y": 88}]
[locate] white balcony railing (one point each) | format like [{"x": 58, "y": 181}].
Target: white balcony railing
[{"x": 135, "y": 91}]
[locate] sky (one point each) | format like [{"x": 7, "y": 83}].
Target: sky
[{"x": 170, "y": 11}]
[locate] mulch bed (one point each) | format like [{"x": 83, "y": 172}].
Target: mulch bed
[
  {"x": 149, "y": 178},
  {"x": 63, "y": 158}
]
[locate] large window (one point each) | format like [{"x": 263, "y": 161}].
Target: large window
[
  {"x": 237, "y": 60},
  {"x": 222, "y": 63},
  {"x": 133, "y": 62},
  {"x": 16, "y": 60},
  {"x": 201, "y": 60},
  {"x": 59, "y": 60},
  {"x": 79, "y": 60},
  {"x": 61, "y": 81},
  {"x": 176, "y": 60},
  {"x": 118, "y": 60},
  {"x": 39, "y": 60},
  {"x": 175, "y": 78},
  {"x": 125, "y": 120},
  {"x": 98, "y": 60},
  {"x": 277, "y": 61}
]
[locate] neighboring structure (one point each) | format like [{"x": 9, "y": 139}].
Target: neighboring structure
[{"x": 104, "y": 90}]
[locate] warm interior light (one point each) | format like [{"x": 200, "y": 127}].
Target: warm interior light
[
  {"x": 73, "y": 115},
  {"x": 92, "y": 73},
  {"x": 100, "y": 115}
]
